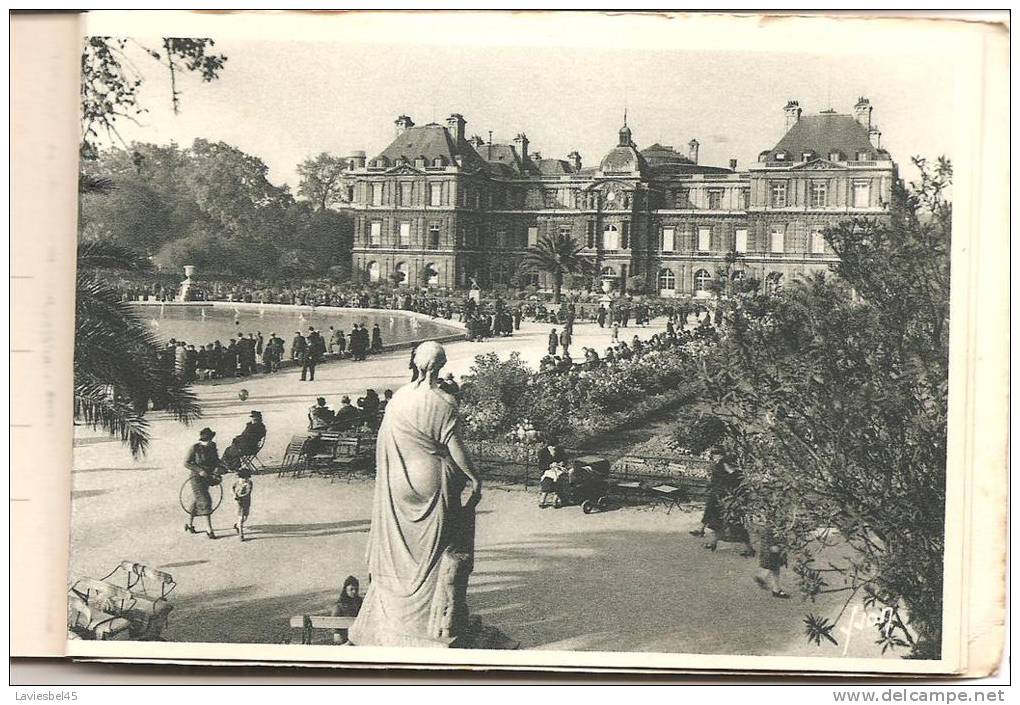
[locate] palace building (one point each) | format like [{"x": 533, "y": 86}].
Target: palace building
[{"x": 446, "y": 209}]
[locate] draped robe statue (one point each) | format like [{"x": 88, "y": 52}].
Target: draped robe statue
[{"x": 421, "y": 544}]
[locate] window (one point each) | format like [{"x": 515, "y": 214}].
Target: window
[
  {"x": 862, "y": 194},
  {"x": 437, "y": 162},
  {"x": 740, "y": 240},
  {"x": 608, "y": 272},
  {"x": 817, "y": 243},
  {"x": 819, "y": 194},
  {"x": 863, "y": 156},
  {"x": 435, "y": 194},
  {"x": 701, "y": 281},
  {"x": 668, "y": 240},
  {"x": 404, "y": 236},
  {"x": 776, "y": 241},
  {"x": 402, "y": 268},
  {"x": 738, "y": 276},
  {"x": 715, "y": 199},
  {"x": 374, "y": 271},
  {"x": 590, "y": 234},
  {"x": 433, "y": 243},
  {"x": 565, "y": 198},
  {"x": 704, "y": 239},
  {"x": 501, "y": 238},
  {"x": 806, "y": 156},
  {"x": 611, "y": 238},
  {"x": 375, "y": 233},
  {"x": 745, "y": 198},
  {"x": 667, "y": 280},
  {"x": 405, "y": 194},
  {"x": 625, "y": 240},
  {"x": 835, "y": 156},
  {"x": 778, "y": 194},
  {"x": 376, "y": 194},
  {"x": 565, "y": 231},
  {"x": 683, "y": 198},
  {"x": 532, "y": 236},
  {"x": 431, "y": 274},
  {"x": 464, "y": 196}
]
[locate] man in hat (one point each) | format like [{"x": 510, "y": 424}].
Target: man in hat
[
  {"x": 203, "y": 462},
  {"x": 247, "y": 443}
]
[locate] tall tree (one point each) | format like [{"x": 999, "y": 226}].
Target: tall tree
[
  {"x": 321, "y": 181},
  {"x": 559, "y": 255},
  {"x": 832, "y": 395}
]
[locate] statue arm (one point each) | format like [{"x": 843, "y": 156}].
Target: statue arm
[{"x": 459, "y": 455}]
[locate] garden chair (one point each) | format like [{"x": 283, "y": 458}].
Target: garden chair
[
  {"x": 150, "y": 588},
  {"x": 251, "y": 462},
  {"x": 293, "y": 455},
  {"x": 318, "y": 453}
]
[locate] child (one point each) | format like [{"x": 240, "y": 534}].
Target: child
[
  {"x": 347, "y": 605},
  {"x": 242, "y": 488},
  {"x": 771, "y": 560}
]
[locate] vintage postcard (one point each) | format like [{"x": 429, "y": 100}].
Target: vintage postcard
[{"x": 535, "y": 340}]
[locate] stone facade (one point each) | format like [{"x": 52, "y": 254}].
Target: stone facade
[{"x": 445, "y": 209}]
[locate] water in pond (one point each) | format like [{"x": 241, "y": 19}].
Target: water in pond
[{"x": 201, "y": 325}]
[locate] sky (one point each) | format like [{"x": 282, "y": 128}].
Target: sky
[{"x": 284, "y": 101}]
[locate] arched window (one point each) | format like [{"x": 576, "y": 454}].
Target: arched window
[
  {"x": 433, "y": 274},
  {"x": 701, "y": 281},
  {"x": 608, "y": 272},
  {"x": 773, "y": 282},
  {"x": 374, "y": 271},
  {"x": 667, "y": 280},
  {"x": 402, "y": 268},
  {"x": 738, "y": 276},
  {"x": 611, "y": 238}
]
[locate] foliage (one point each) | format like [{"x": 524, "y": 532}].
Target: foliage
[
  {"x": 117, "y": 360},
  {"x": 834, "y": 396},
  {"x": 111, "y": 80},
  {"x": 498, "y": 395},
  {"x": 213, "y": 206},
  {"x": 321, "y": 180},
  {"x": 559, "y": 254}
]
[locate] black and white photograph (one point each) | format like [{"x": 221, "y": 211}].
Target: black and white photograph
[{"x": 544, "y": 340}]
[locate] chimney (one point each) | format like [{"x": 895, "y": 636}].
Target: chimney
[
  {"x": 356, "y": 160},
  {"x": 733, "y": 165},
  {"x": 455, "y": 124},
  {"x": 792, "y": 111},
  {"x": 523, "y": 140},
  {"x": 862, "y": 112},
  {"x": 692, "y": 150},
  {"x": 575, "y": 161},
  {"x": 403, "y": 122},
  {"x": 875, "y": 135}
]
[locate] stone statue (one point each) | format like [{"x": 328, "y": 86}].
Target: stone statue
[{"x": 421, "y": 544}]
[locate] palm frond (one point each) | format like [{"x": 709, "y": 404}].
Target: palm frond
[
  {"x": 109, "y": 255},
  {"x": 97, "y": 406}
]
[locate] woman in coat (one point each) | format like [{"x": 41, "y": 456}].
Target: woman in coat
[{"x": 203, "y": 462}]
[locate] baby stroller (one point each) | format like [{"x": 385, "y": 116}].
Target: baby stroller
[{"x": 586, "y": 484}]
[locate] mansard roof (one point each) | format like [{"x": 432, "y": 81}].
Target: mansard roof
[
  {"x": 429, "y": 142},
  {"x": 824, "y": 134}
]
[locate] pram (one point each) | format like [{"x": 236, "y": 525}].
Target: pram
[{"x": 585, "y": 484}]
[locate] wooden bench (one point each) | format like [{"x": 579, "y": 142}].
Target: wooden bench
[{"x": 310, "y": 623}]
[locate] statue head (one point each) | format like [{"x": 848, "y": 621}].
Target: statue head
[{"x": 428, "y": 359}]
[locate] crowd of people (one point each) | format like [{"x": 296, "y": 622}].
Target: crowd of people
[{"x": 250, "y": 353}]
